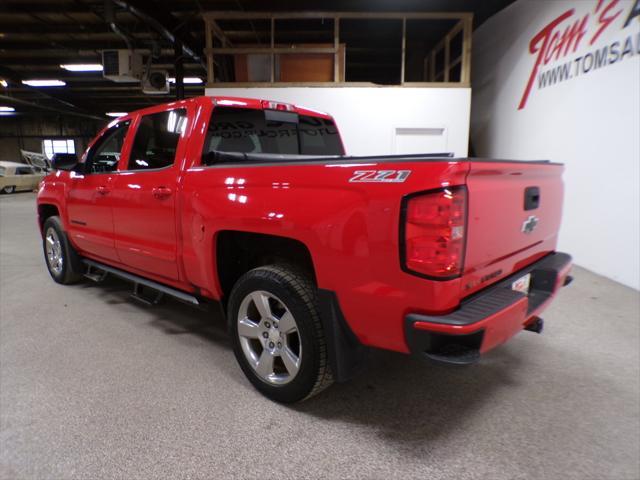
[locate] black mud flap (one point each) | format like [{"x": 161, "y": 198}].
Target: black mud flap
[{"x": 347, "y": 356}]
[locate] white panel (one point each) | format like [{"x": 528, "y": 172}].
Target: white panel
[
  {"x": 589, "y": 120},
  {"x": 368, "y": 116}
]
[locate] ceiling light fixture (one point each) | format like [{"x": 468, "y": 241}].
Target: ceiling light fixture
[
  {"x": 4, "y": 83},
  {"x": 44, "y": 83},
  {"x": 82, "y": 67},
  {"x": 192, "y": 80},
  {"x": 115, "y": 114},
  {"x": 6, "y": 109}
]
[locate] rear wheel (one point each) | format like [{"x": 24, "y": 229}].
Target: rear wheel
[
  {"x": 9, "y": 189},
  {"x": 61, "y": 258},
  {"x": 277, "y": 333}
]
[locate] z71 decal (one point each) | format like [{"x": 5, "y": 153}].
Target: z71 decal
[{"x": 383, "y": 176}]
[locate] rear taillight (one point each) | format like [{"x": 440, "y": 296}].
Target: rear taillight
[{"x": 434, "y": 233}]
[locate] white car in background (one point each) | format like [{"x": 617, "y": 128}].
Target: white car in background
[{"x": 15, "y": 177}]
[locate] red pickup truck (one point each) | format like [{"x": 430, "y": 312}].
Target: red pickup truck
[{"x": 313, "y": 255}]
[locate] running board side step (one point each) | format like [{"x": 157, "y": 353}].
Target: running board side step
[
  {"x": 139, "y": 296},
  {"x": 95, "y": 275},
  {"x": 137, "y": 283}
]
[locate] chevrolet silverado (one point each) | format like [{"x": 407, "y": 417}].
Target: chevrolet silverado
[{"x": 313, "y": 255}]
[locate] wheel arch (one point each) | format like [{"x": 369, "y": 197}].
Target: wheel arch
[
  {"x": 46, "y": 210},
  {"x": 237, "y": 252}
]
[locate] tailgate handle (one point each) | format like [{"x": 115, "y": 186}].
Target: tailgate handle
[{"x": 531, "y": 198}]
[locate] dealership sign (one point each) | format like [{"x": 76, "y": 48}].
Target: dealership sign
[{"x": 555, "y": 47}]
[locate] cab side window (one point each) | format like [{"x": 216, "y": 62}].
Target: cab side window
[
  {"x": 105, "y": 154},
  {"x": 157, "y": 139}
]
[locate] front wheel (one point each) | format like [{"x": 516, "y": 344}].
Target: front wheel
[
  {"x": 277, "y": 333},
  {"x": 62, "y": 260},
  {"x": 9, "y": 189}
]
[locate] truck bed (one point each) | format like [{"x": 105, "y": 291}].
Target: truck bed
[{"x": 270, "y": 158}]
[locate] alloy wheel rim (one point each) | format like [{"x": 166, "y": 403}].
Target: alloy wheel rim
[
  {"x": 269, "y": 337},
  {"x": 53, "y": 249}
]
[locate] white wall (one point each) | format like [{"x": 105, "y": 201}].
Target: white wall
[
  {"x": 368, "y": 118},
  {"x": 590, "y": 121}
]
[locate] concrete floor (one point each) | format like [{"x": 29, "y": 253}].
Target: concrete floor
[{"x": 93, "y": 385}]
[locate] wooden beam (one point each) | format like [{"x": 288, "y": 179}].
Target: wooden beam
[
  {"x": 447, "y": 44},
  {"x": 267, "y": 50},
  {"x": 273, "y": 55},
  {"x": 336, "y": 47},
  {"x": 465, "y": 72},
  {"x": 452, "y": 33},
  {"x": 224, "y": 39},
  {"x": 209, "y": 46},
  {"x": 432, "y": 76},
  {"x": 404, "y": 48},
  {"x": 231, "y": 15},
  {"x": 447, "y": 53},
  {"x": 335, "y": 84},
  {"x": 436, "y": 84},
  {"x": 463, "y": 24}
]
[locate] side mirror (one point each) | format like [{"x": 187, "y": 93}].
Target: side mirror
[{"x": 64, "y": 161}]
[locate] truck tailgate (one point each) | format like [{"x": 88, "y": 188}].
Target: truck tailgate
[{"x": 514, "y": 214}]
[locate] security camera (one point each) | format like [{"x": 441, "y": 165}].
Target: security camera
[{"x": 156, "y": 82}]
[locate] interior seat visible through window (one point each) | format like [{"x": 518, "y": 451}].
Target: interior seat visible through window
[
  {"x": 105, "y": 153},
  {"x": 156, "y": 140}
]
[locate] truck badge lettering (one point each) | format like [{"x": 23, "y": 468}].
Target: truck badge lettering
[{"x": 381, "y": 176}]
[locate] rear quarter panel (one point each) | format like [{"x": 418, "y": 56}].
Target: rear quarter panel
[{"x": 350, "y": 229}]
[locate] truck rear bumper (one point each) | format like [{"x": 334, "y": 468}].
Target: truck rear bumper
[{"x": 488, "y": 318}]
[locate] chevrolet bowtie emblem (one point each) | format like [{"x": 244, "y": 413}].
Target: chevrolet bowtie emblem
[{"x": 530, "y": 224}]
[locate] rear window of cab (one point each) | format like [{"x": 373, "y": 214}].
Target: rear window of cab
[{"x": 246, "y": 130}]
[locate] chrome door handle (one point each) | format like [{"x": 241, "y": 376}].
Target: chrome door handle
[{"x": 161, "y": 192}]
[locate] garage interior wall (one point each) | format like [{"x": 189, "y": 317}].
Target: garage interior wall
[
  {"x": 383, "y": 120},
  {"x": 582, "y": 109},
  {"x": 27, "y": 133}
]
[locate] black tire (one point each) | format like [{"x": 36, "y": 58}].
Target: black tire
[
  {"x": 9, "y": 189},
  {"x": 71, "y": 267},
  {"x": 298, "y": 294}
]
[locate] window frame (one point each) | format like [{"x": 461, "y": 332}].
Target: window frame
[
  {"x": 68, "y": 141},
  {"x": 123, "y": 166},
  {"x": 100, "y": 141},
  {"x": 19, "y": 170}
]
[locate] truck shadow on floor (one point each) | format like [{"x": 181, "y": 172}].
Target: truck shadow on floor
[
  {"x": 169, "y": 315},
  {"x": 409, "y": 401},
  {"x": 401, "y": 398}
]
